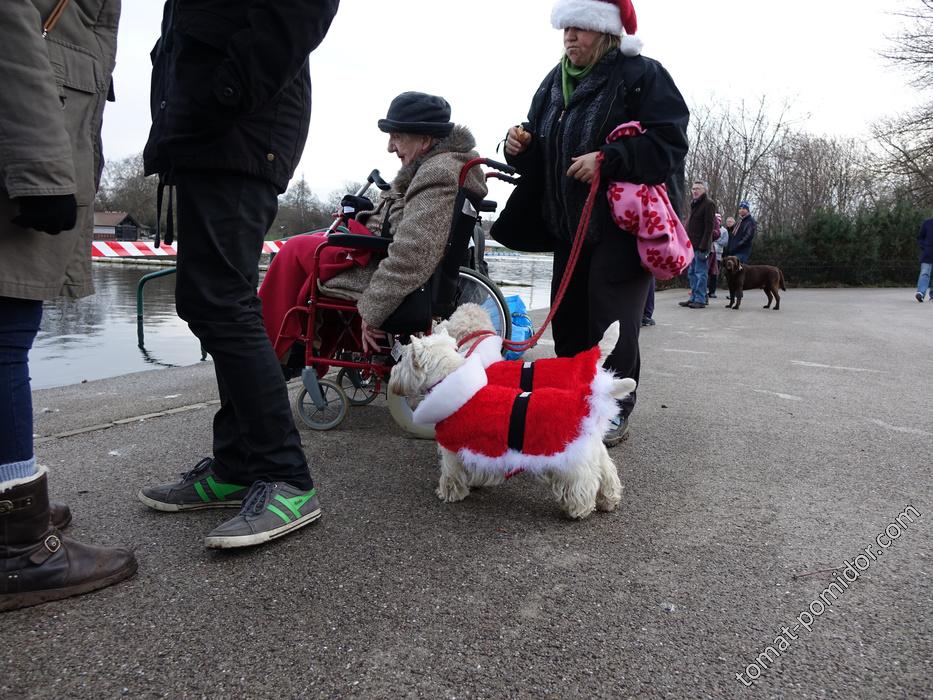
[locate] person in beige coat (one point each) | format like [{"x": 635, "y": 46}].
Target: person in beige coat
[
  {"x": 416, "y": 212},
  {"x": 51, "y": 105}
]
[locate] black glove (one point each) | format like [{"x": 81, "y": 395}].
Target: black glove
[
  {"x": 351, "y": 204},
  {"x": 51, "y": 213}
]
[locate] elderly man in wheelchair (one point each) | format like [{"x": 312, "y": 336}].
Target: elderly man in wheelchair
[{"x": 386, "y": 274}]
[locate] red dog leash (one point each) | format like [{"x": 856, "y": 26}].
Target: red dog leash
[{"x": 523, "y": 345}]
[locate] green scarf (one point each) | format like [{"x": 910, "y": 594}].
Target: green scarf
[{"x": 570, "y": 75}]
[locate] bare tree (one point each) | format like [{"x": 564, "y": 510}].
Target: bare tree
[
  {"x": 908, "y": 141},
  {"x": 124, "y": 187},
  {"x": 913, "y": 48},
  {"x": 730, "y": 146},
  {"x": 806, "y": 174},
  {"x": 299, "y": 211}
]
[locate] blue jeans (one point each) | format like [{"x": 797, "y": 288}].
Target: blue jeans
[
  {"x": 923, "y": 284},
  {"x": 697, "y": 274},
  {"x": 19, "y": 325},
  {"x": 649, "y": 303}
]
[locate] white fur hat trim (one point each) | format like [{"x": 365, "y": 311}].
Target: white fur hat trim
[{"x": 595, "y": 16}]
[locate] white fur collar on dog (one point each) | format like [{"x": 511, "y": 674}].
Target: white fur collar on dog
[{"x": 452, "y": 392}]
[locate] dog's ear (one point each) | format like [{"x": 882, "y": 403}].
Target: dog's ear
[{"x": 414, "y": 351}]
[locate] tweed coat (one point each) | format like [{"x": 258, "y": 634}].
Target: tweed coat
[
  {"x": 50, "y": 121},
  {"x": 420, "y": 208}
]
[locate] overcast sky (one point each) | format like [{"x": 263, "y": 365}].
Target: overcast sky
[{"x": 487, "y": 57}]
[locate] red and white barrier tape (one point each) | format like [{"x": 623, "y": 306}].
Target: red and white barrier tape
[{"x": 142, "y": 249}]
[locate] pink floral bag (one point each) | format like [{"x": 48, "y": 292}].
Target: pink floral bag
[{"x": 646, "y": 211}]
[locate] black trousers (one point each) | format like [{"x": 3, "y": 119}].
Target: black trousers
[
  {"x": 222, "y": 220},
  {"x": 608, "y": 284}
]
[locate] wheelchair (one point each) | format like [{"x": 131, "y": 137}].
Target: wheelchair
[{"x": 331, "y": 332}]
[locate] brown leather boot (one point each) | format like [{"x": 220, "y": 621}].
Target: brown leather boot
[{"x": 37, "y": 564}]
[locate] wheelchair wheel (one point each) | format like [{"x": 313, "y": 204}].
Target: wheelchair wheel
[
  {"x": 331, "y": 415},
  {"x": 479, "y": 289},
  {"x": 401, "y": 408},
  {"x": 361, "y": 388}
]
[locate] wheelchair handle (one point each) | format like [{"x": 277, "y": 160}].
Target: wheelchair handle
[
  {"x": 375, "y": 178},
  {"x": 464, "y": 171},
  {"x": 504, "y": 167},
  {"x": 504, "y": 178}
]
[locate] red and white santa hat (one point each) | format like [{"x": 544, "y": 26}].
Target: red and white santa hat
[{"x": 606, "y": 16}]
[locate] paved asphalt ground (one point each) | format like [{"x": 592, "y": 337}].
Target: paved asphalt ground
[{"x": 767, "y": 448}]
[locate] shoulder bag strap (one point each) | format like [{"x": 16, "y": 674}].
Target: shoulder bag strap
[{"x": 53, "y": 17}]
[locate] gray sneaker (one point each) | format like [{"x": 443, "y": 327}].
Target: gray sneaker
[
  {"x": 199, "y": 488},
  {"x": 618, "y": 432},
  {"x": 269, "y": 510}
]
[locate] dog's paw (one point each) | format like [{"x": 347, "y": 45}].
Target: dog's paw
[
  {"x": 606, "y": 503},
  {"x": 578, "y": 511},
  {"x": 451, "y": 492}
]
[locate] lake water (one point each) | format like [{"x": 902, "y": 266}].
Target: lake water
[{"x": 96, "y": 337}]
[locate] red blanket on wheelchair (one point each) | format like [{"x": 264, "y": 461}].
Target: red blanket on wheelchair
[{"x": 288, "y": 281}]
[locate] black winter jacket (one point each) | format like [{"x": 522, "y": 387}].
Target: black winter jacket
[
  {"x": 231, "y": 88},
  {"x": 740, "y": 242},
  {"x": 925, "y": 241},
  {"x": 619, "y": 89}
]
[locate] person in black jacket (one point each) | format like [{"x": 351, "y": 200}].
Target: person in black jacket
[
  {"x": 231, "y": 104},
  {"x": 741, "y": 238},
  {"x": 602, "y": 82}
]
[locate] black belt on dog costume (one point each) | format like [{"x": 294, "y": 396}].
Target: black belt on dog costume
[{"x": 517, "y": 417}]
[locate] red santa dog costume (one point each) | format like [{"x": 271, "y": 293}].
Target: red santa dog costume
[
  {"x": 559, "y": 372},
  {"x": 501, "y": 428}
]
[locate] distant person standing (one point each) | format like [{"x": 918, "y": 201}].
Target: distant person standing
[
  {"x": 51, "y": 104},
  {"x": 231, "y": 105},
  {"x": 699, "y": 227},
  {"x": 740, "y": 241},
  {"x": 720, "y": 239},
  {"x": 925, "y": 241},
  {"x": 730, "y": 227}
]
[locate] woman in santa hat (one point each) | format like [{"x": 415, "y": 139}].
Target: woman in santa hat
[{"x": 602, "y": 81}]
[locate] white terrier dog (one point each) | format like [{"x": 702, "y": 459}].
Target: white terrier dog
[{"x": 496, "y": 418}]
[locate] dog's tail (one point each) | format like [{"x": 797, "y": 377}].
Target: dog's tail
[
  {"x": 781, "y": 273},
  {"x": 622, "y": 387},
  {"x": 609, "y": 340}
]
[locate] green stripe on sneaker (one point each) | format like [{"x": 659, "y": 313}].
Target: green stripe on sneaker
[
  {"x": 201, "y": 492},
  {"x": 294, "y": 504},
  {"x": 222, "y": 490},
  {"x": 279, "y": 513}
]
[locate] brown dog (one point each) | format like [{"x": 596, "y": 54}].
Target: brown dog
[{"x": 742, "y": 276}]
